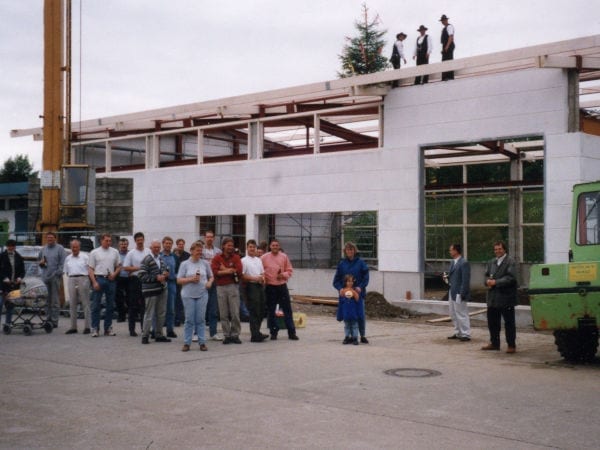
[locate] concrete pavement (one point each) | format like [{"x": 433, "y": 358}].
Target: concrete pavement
[{"x": 59, "y": 391}]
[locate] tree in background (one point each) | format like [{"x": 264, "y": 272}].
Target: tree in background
[
  {"x": 16, "y": 169},
  {"x": 362, "y": 54}
]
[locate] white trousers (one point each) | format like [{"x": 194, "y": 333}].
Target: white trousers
[{"x": 459, "y": 313}]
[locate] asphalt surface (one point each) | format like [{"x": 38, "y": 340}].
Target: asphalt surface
[{"x": 410, "y": 388}]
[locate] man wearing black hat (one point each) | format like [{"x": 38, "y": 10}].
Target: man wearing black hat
[
  {"x": 422, "y": 52},
  {"x": 398, "y": 54},
  {"x": 447, "y": 46}
]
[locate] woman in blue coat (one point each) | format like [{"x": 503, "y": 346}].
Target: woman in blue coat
[{"x": 353, "y": 265}]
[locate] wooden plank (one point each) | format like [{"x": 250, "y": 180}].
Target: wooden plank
[
  {"x": 448, "y": 318},
  {"x": 331, "y": 301}
]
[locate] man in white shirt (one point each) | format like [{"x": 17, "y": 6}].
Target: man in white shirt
[
  {"x": 135, "y": 299},
  {"x": 103, "y": 267},
  {"x": 209, "y": 251},
  {"x": 78, "y": 285},
  {"x": 253, "y": 274},
  {"x": 447, "y": 45}
]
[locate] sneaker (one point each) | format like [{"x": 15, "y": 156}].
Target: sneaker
[
  {"x": 216, "y": 337},
  {"x": 364, "y": 340},
  {"x": 195, "y": 338},
  {"x": 185, "y": 348},
  {"x": 203, "y": 347},
  {"x": 109, "y": 332},
  {"x": 95, "y": 332},
  {"x": 71, "y": 331}
]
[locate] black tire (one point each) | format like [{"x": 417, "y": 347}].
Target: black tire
[
  {"x": 7, "y": 329},
  {"x": 27, "y": 330},
  {"x": 577, "y": 345},
  {"x": 48, "y": 327}
]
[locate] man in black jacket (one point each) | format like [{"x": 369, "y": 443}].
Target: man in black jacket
[
  {"x": 501, "y": 281},
  {"x": 12, "y": 271}
]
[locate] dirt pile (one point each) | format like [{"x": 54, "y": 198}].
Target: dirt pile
[{"x": 377, "y": 307}]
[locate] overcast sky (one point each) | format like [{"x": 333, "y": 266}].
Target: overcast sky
[{"x": 141, "y": 54}]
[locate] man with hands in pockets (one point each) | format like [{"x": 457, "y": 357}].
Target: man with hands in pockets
[{"x": 459, "y": 279}]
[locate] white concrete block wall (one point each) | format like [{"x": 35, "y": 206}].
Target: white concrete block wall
[
  {"x": 571, "y": 158},
  {"x": 386, "y": 180}
]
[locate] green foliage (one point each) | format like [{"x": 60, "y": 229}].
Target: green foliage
[
  {"x": 488, "y": 208},
  {"x": 16, "y": 169},
  {"x": 362, "y": 54}
]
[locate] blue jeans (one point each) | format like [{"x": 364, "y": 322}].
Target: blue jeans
[
  {"x": 195, "y": 310},
  {"x": 212, "y": 310},
  {"x": 351, "y": 328},
  {"x": 108, "y": 288},
  {"x": 170, "y": 316}
]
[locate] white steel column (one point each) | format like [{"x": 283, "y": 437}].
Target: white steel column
[
  {"x": 252, "y": 227},
  {"x": 107, "y": 157},
  {"x": 200, "y": 147},
  {"x": 316, "y": 134}
]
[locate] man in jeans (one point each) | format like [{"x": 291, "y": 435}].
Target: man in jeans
[
  {"x": 104, "y": 267},
  {"x": 209, "y": 251}
]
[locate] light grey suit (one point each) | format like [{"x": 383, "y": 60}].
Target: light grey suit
[{"x": 459, "y": 278}]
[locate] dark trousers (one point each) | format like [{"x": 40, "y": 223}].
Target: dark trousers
[
  {"x": 179, "y": 313},
  {"x": 494, "y": 317},
  {"x": 135, "y": 303},
  {"x": 279, "y": 295},
  {"x": 255, "y": 300},
  {"x": 121, "y": 297},
  {"x": 448, "y": 56},
  {"x": 422, "y": 59},
  {"x": 212, "y": 310}
]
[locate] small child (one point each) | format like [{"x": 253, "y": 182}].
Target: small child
[{"x": 348, "y": 310}]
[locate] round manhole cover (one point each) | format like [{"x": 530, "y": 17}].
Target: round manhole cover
[{"x": 412, "y": 373}]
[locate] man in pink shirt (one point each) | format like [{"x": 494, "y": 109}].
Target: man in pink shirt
[{"x": 278, "y": 269}]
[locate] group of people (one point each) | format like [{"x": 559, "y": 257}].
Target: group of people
[
  {"x": 423, "y": 48},
  {"x": 501, "y": 283},
  {"x": 162, "y": 287}
]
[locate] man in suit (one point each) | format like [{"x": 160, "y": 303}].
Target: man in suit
[
  {"x": 501, "y": 281},
  {"x": 12, "y": 271},
  {"x": 459, "y": 279}
]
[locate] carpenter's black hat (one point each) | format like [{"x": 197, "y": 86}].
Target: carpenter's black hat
[
  {"x": 444, "y": 18},
  {"x": 422, "y": 28}
]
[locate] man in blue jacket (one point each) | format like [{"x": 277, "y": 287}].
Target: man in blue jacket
[
  {"x": 352, "y": 264},
  {"x": 459, "y": 279}
]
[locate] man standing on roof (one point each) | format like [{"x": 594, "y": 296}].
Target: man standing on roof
[
  {"x": 398, "y": 54},
  {"x": 447, "y": 46},
  {"x": 422, "y": 51}
]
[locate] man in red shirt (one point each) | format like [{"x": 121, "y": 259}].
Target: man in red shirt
[
  {"x": 278, "y": 269},
  {"x": 227, "y": 269}
]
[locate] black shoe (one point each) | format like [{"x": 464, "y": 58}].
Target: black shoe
[
  {"x": 236, "y": 340},
  {"x": 121, "y": 319},
  {"x": 227, "y": 340},
  {"x": 145, "y": 340},
  {"x": 133, "y": 333},
  {"x": 264, "y": 336},
  {"x": 347, "y": 340},
  {"x": 71, "y": 331},
  {"x": 364, "y": 340},
  {"x": 293, "y": 337},
  {"x": 171, "y": 334},
  {"x": 454, "y": 336},
  {"x": 273, "y": 337},
  {"x": 354, "y": 341},
  {"x": 153, "y": 335},
  {"x": 464, "y": 339},
  {"x": 162, "y": 338},
  {"x": 87, "y": 331},
  {"x": 260, "y": 338}
]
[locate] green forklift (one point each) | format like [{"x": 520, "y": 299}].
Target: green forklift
[{"x": 565, "y": 298}]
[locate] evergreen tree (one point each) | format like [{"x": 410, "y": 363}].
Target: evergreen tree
[
  {"x": 17, "y": 169},
  {"x": 362, "y": 54}
]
